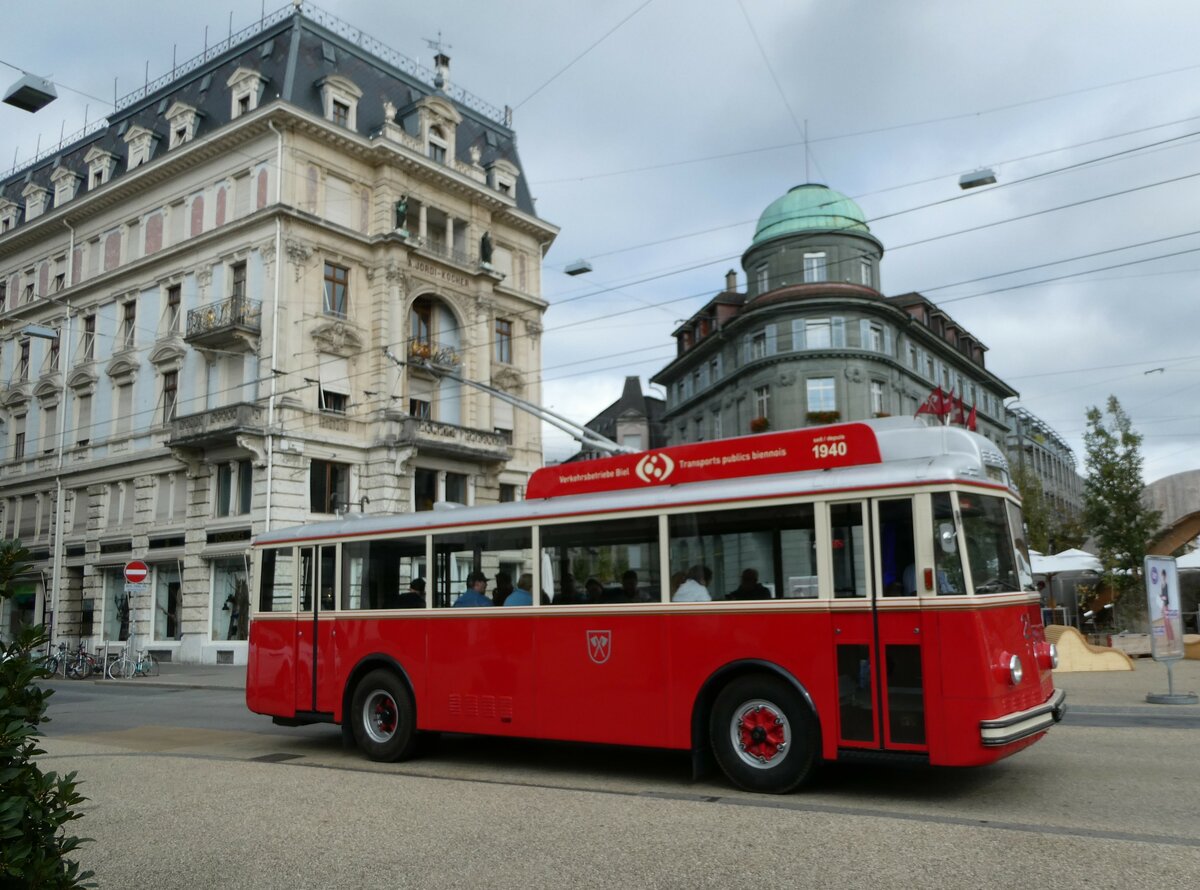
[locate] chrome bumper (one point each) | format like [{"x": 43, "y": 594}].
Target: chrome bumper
[{"x": 1022, "y": 724}]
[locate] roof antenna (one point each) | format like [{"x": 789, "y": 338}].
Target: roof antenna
[{"x": 807, "y": 178}]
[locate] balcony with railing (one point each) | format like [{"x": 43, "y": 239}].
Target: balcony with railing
[
  {"x": 448, "y": 440},
  {"x": 232, "y": 323},
  {"x": 218, "y": 426}
]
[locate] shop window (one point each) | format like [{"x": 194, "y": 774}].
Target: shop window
[
  {"x": 168, "y": 603},
  {"x": 230, "y": 599}
]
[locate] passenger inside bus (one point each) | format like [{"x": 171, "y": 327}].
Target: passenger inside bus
[
  {"x": 522, "y": 594},
  {"x": 414, "y": 597},
  {"x": 503, "y": 588},
  {"x": 692, "y": 590},
  {"x": 750, "y": 588},
  {"x": 475, "y": 594}
]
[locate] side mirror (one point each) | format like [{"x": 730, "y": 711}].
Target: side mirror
[{"x": 947, "y": 538}]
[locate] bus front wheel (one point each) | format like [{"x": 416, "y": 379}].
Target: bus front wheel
[
  {"x": 382, "y": 717},
  {"x": 763, "y": 734}
]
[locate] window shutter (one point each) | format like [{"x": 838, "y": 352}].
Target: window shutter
[
  {"x": 746, "y": 350},
  {"x": 864, "y": 333},
  {"x": 502, "y": 415},
  {"x": 838, "y": 326},
  {"x": 335, "y": 374},
  {"x": 887, "y": 339},
  {"x": 772, "y": 339},
  {"x": 798, "y": 334}
]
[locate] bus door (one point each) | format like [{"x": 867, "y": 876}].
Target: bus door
[
  {"x": 899, "y": 625},
  {"x": 878, "y": 632},
  {"x": 314, "y": 637}
]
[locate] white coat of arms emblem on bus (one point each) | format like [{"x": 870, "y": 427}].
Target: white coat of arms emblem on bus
[
  {"x": 599, "y": 645},
  {"x": 655, "y": 468}
]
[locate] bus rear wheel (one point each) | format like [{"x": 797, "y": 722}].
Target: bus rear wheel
[
  {"x": 382, "y": 717},
  {"x": 763, "y": 735}
]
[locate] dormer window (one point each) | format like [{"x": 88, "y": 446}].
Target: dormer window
[
  {"x": 245, "y": 90},
  {"x": 182, "y": 119},
  {"x": 35, "y": 200},
  {"x": 437, "y": 145},
  {"x": 438, "y": 121},
  {"x": 100, "y": 167},
  {"x": 66, "y": 184},
  {"x": 339, "y": 100},
  {"x": 8, "y": 215},
  {"x": 141, "y": 146},
  {"x": 502, "y": 176}
]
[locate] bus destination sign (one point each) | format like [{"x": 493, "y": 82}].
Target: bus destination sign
[{"x": 793, "y": 451}]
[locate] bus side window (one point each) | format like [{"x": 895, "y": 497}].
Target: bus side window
[
  {"x": 619, "y": 558},
  {"x": 458, "y": 554},
  {"x": 375, "y": 573},
  {"x": 277, "y": 580},
  {"x": 848, "y": 543},
  {"x": 897, "y": 548}
]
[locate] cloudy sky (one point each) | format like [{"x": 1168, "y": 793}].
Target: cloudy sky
[{"x": 655, "y": 133}]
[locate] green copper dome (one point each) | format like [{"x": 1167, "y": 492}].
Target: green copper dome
[{"x": 809, "y": 208}]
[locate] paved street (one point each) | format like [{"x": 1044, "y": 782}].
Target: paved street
[{"x": 188, "y": 789}]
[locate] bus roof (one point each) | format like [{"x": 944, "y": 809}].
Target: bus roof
[{"x": 891, "y": 452}]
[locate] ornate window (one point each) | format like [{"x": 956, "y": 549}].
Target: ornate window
[
  {"x": 339, "y": 100},
  {"x": 101, "y": 165},
  {"x": 141, "y": 146},
  {"x": 245, "y": 91},
  {"x": 182, "y": 119},
  {"x": 35, "y": 200},
  {"x": 66, "y": 184}
]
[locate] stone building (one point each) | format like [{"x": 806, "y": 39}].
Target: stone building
[
  {"x": 197, "y": 295},
  {"x": 1033, "y": 445},
  {"x": 812, "y": 339},
  {"x": 633, "y": 420}
]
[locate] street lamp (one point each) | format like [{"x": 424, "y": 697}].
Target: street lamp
[
  {"x": 579, "y": 267},
  {"x": 984, "y": 176},
  {"x": 30, "y": 93}
]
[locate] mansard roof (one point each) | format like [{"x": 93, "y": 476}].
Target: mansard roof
[{"x": 292, "y": 52}]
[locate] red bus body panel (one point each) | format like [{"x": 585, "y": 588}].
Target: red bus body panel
[{"x": 532, "y": 672}]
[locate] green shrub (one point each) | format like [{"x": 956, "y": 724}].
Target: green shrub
[{"x": 35, "y": 807}]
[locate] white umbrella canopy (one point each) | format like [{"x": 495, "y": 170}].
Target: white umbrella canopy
[
  {"x": 1189, "y": 560},
  {"x": 1068, "y": 561}
]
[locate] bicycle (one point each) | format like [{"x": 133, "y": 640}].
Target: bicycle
[
  {"x": 55, "y": 663},
  {"x": 123, "y": 667},
  {"x": 81, "y": 664}
]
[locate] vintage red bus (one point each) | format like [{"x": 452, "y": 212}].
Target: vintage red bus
[{"x": 775, "y": 601}]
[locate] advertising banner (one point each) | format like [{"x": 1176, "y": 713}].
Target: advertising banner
[{"x": 1162, "y": 596}]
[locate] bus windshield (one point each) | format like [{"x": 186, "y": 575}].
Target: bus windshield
[{"x": 990, "y": 550}]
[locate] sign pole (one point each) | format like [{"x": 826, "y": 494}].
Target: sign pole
[{"x": 1166, "y": 625}]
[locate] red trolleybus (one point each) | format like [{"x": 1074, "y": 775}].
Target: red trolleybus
[{"x": 775, "y": 600}]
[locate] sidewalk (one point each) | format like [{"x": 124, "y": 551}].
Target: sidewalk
[
  {"x": 193, "y": 676},
  {"x": 1127, "y": 689}
]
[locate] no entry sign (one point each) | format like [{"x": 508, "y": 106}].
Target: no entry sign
[{"x": 136, "y": 572}]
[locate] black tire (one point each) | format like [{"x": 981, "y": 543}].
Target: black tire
[
  {"x": 78, "y": 668},
  {"x": 764, "y": 734},
  {"x": 383, "y": 717}
]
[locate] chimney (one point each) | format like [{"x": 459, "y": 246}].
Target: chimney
[
  {"x": 441, "y": 63},
  {"x": 731, "y": 281}
]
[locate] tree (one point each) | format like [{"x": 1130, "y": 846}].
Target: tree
[
  {"x": 1048, "y": 529},
  {"x": 1114, "y": 513},
  {"x": 35, "y": 807}
]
